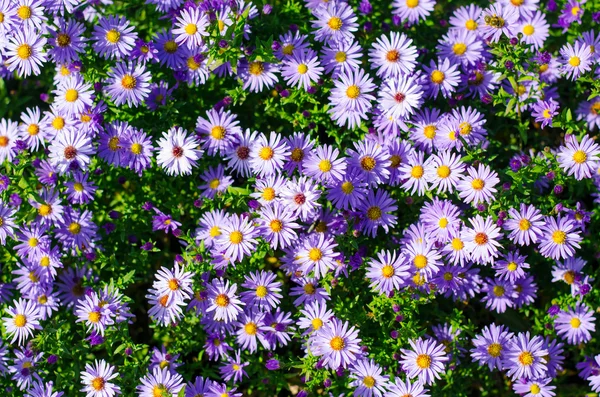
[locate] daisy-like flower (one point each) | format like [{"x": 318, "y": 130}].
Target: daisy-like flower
[
  {"x": 425, "y": 360},
  {"x": 576, "y": 60},
  {"x": 30, "y": 13},
  {"x": 96, "y": 316},
  {"x": 367, "y": 379},
  {"x": 525, "y": 357},
  {"x": 291, "y": 43},
  {"x": 341, "y": 57},
  {"x": 400, "y": 97},
  {"x": 237, "y": 238},
  {"x": 376, "y": 211},
  {"x": 580, "y": 159},
  {"x": 444, "y": 171},
  {"x": 405, "y": 388},
  {"x": 138, "y": 149},
  {"x": 424, "y": 133},
  {"x": 466, "y": 18},
  {"x": 169, "y": 53},
  {"x": 511, "y": 267},
  {"x": 337, "y": 343},
  {"x": 113, "y": 37},
  {"x": 24, "y": 52},
  {"x": 220, "y": 131},
  {"x": 424, "y": 259},
  {"x": 352, "y": 91},
  {"x": 314, "y": 316},
  {"x": 388, "y": 272},
  {"x": 250, "y": 330},
  {"x": 73, "y": 95},
  {"x": 257, "y": 75},
  {"x": 268, "y": 190},
  {"x": 300, "y": 195},
  {"x": 413, "y": 174},
  {"x": 128, "y": 83},
  {"x": 223, "y": 301},
  {"x": 67, "y": 41},
  {"x": 535, "y": 388},
  {"x": 413, "y": 10},
  {"x": 480, "y": 239},
  {"x": 190, "y": 27},
  {"x": 316, "y": 254},
  {"x": 441, "y": 77},
  {"x": 491, "y": 345},
  {"x": 277, "y": 226},
  {"x": 9, "y": 133},
  {"x": 347, "y": 192},
  {"x": 161, "y": 382},
  {"x": 215, "y": 182},
  {"x": 441, "y": 219},
  {"x": 524, "y": 225},
  {"x": 500, "y": 294},
  {"x": 300, "y": 146},
  {"x": 544, "y": 111},
  {"x": 267, "y": 154},
  {"x": 264, "y": 292},
  {"x": 71, "y": 147},
  {"x": 576, "y": 324},
  {"x": 394, "y": 56},
  {"x": 178, "y": 151},
  {"x": 593, "y": 378},
  {"x": 22, "y": 321},
  {"x": 41, "y": 389},
  {"x": 478, "y": 185},
  {"x": 569, "y": 272},
  {"x": 370, "y": 160},
  {"x": 324, "y": 164},
  {"x": 461, "y": 46},
  {"x": 238, "y": 157},
  {"x": 335, "y": 22},
  {"x": 497, "y": 20},
  {"x": 302, "y": 69},
  {"x": 96, "y": 380},
  {"x": 31, "y": 129},
  {"x": 559, "y": 238},
  {"x": 534, "y": 28}
]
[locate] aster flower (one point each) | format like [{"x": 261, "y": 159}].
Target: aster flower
[
  {"x": 347, "y": 192},
  {"x": 444, "y": 171},
  {"x": 238, "y": 156},
  {"x": 593, "y": 378},
  {"x": 497, "y": 20},
  {"x": 300, "y": 196},
  {"x": 341, "y": 57},
  {"x": 440, "y": 218},
  {"x": 250, "y": 329},
  {"x": 511, "y": 266},
  {"x": 579, "y": 159},
  {"x": 525, "y": 357},
  {"x": 69, "y": 150},
  {"x": 160, "y": 382},
  {"x": 220, "y": 131},
  {"x": 576, "y": 60},
  {"x": 544, "y": 111},
  {"x": 399, "y": 98},
  {"x": 367, "y": 379},
  {"x": 96, "y": 316},
  {"x": 96, "y": 379},
  {"x": 67, "y": 41},
  {"x": 413, "y": 174},
  {"x": 425, "y": 360},
  {"x": 80, "y": 190},
  {"x": 267, "y": 154},
  {"x": 264, "y": 291},
  {"x": 500, "y": 294},
  {"x": 478, "y": 185},
  {"x": 77, "y": 230},
  {"x": 165, "y": 309},
  {"x": 277, "y": 226},
  {"x": 424, "y": 133},
  {"x": 9, "y": 133},
  {"x": 352, "y": 91},
  {"x": 314, "y": 316},
  {"x": 169, "y": 53},
  {"x": 224, "y": 301},
  {"x": 215, "y": 182},
  {"x": 137, "y": 150},
  {"x": 190, "y": 27},
  {"x": 461, "y": 46},
  {"x": 394, "y": 56},
  {"x": 402, "y": 388},
  {"x": 25, "y": 368},
  {"x": 257, "y": 75},
  {"x": 234, "y": 368},
  {"x": 441, "y": 77},
  {"x": 388, "y": 272},
  {"x": 337, "y": 343},
  {"x": 237, "y": 238},
  {"x": 31, "y": 129},
  {"x": 465, "y": 18},
  {"x": 302, "y": 69},
  {"x": 178, "y": 152},
  {"x": 576, "y": 324},
  {"x": 369, "y": 159},
  {"x": 113, "y": 37},
  {"x": 413, "y": 10},
  {"x": 41, "y": 389},
  {"x": 324, "y": 165},
  {"x": 163, "y": 359},
  {"x": 480, "y": 239},
  {"x": 128, "y": 83},
  {"x": 24, "y": 52},
  {"x": 489, "y": 347},
  {"x": 22, "y": 321},
  {"x": 316, "y": 254},
  {"x": 300, "y": 146},
  {"x": 375, "y": 210},
  {"x": 534, "y": 28},
  {"x": 559, "y": 238},
  {"x": 524, "y": 225},
  {"x": 335, "y": 22},
  {"x": 535, "y": 387}
]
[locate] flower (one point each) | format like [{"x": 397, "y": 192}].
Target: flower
[
  {"x": 533, "y": 27},
  {"x": 67, "y": 41},
  {"x": 71, "y": 149},
  {"x": 478, "y": 185},
  {"x": 413, "y": 10},
  {"x": 352, "y": 91},
  {"x": 388, "y": 272},
  {"x": 128, "y": 83},
  {"x": 525, "y": 357},
  {"x": 324, "y": 164},
  {"x": 113, "y": 37},
  {"x": 277, "y": 226},
  {"x": 24, "y": 52},
  {"x": 480, "y": 239},
  {"x": 335, "y": 22},
  {"x": 404, "y": 388},
  {"x": 497, "y": 20},
  {"x": 9, "y": 133},
  {"x": 377, "y": 210},
  {"x": 369, "y": 159},
  {"x": 367, "y": 379},
  {"x": 215, "y": 182},
  {"x": 316, "y": 254},
  {"x": 500, "y": 294},
  {"x": 267, "y": 154},
  {"x": 441, "y": 77},
  {"x": 96, "y": 379},
  {"x": 337, "y": 344},
  {"x": 535, "y": 387},
  {"x": 190, "y": 27},
  {"x": 576, "y": 324},
  {"x": 425, "y": 360},
  {"x": 178, "y": 152},
  {"x": 444, "y": 170},
  {"x": 580, "y": 159},
  {"x": 399, "y": 98},
  {"x": 73, "y": 95},
  {"x": 160, "y": 382},
  {"x": 524, "y": 225},
  {"x": 22, "y": 321},
  {"x": 491, "y": 345},
  {"x": 393, "y": 57},
  {"x": 264, "y": 292},
  {"x": 302, "y": 69},
  {"x": 237, "y": 238},
  {"x": 559, "y": 238},
  {"x": 224, "y": 301},
  {"x": 95, "y": 315},
  {"x": 576, "y": 60},
  {"x": 220, "y": 132},
  {"x": 257, "y": 75}
]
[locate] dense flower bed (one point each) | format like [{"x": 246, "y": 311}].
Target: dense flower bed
[{"x": 225, "y": 198}]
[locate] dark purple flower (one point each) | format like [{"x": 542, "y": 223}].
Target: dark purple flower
[
  {"x": 223, "y": 44},
  {"x": 365, "y": 7},
  {"x": 267, "y": 8},
  {"x": 52, "y": 359},
  {"x": 558, "y": 189},
  {"x": 550, "y": 175},
  {"x": 15, "y": 200},
  {"x": 394, "y": 334},
  {"x": 554, "y": 310},
  {"x": 272, "y": 365},
  {"x": 285, "y": 93},
  {"x": 506, "y": 186},
  {"x": 327, "y": 383},
  {"x": 95, "y": 339},
  {"x": 128, "y": 351},
  {"x": 147, "y": 246},
  {"x": 509, "y": 65}
]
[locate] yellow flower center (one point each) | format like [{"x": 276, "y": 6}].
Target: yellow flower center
[
  {"x": 173, "y": 284},
  {"x": 268, "y": 194},
  {"x": 261, "y": 291},
  {"x": 430, "y": 131},
  {"x": 98, "y": 384},
  {"x": 75, "y": 228},
  {"x": 524, "y": 224},
  {"x": 443, "y": 223},
  {"x": 512, "y": 266},
  {"x": 113, "y": 143},
  {"x": 136, "y": 148},
  {"x": 24, "y": 12},
  {"x": 526, "y": 358},
  {"x": 266, "y": 153},
  {"x": 417, "y": 171},
  {"x": 481, "y": 238},
  {"x": 309, "y": 289},
  {"x": 325, "y": 165},
  {"x": 24, "y": 51},
  {"x": 94, "y": 317},
  {"x": 42, "y": 299},
  {"x": 374, "y": 213},
  {"x": 316, "y": 323},
  {"x": 448, "y": 276},
  {"x": 478, "y": 184},
  {"x": 574, "y": 61},
  {"x": 420, "y": 261},
  {"x": 437, "y": 76},
  {"x": 494, "y": 350},
  {"x": 128, "y": 82},
  {"x": 170, "y": 47},
  {"x": 387, "y": 271},
  {"x": 369, "y": 382},
  {"x": 471, "y": 24},
  {"x": 337, "y": 343},
  {"x": 575, "y": 322},
  {"x": 559, "y": 237},
  {"x": 575, "y": 10},
  {"x": 33, "y": 242},
  {"x": 498, "y": 290},
  {"x": 353, "y": 92},
  {"x": 222, "y": 300},
  {"x": 214, "y": 231},
  {"x": 367, "y": 163},
  {"x": 347, "y": 187},
  {"x": 579, "y": 157},
  {"x": 412, "y": 3},
  {"x": 392, "y": 56},
  {"x": 256, "y": 68},
  {"x": 45, "y": 210},
  {"x": 214, "y": 184},
  {"x": 459, "y": 48},
  {"x": 191, "y": 64},
  {"x": 33, "y": 129},
  {"x": 335, "y": 23},
  {"x": 528, "y": 30},
  {"x": 457, "y": 244},
  {"x": 276, "y": 225},
  {"x": 236, "y": 237},
  {"x": 58, "y": 123},
  {"x": 315, "y": 254},
  {"x": 569, "y": 277},
  {"x": 250, "y": 328},
  {"x": 535, "y": 389},
  {"x": 340, "y": 56},
  {"x": 191, "y": 29},
  {"x": 45, "y": 261},
  {"x": 395, "y": 161},
  {"x": 302, "y": 68},
  {"x": 113, "y": 36},
  {"x": 288, "y": 49},
  {"x": 20, "y": 320},
  {"x": 423, "y": 361},
  {"x": 443, "y": 171}
]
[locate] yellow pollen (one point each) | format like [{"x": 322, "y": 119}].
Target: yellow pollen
[
  {"x": 250, "y": 328},
  {"x": 71, "y": 95},
  {"x": 315, "y": 254},
  {"x": 369, "y": 382},
  {"x": 58, "y": 123},
  {"x": 424, "y": 361},
  {"x": 33, "y": 277},
  {"x": 63, "y": 40},
  {"x": 325, "y": 165},
  {"x": 512, "y": 266},
  {"x": 20, "y": 320},
  {"x": 478, "y": 184},
  {"x": 159, "y": 390},
  {"x": 574, "y": 61},
  {"x": 222, "y": 300},
  {"x": 221, "y": 25},
  {"x": 173, "y": 284},
  {"x": 392, "y": 56},
  {"x": 214, "y": 231},
  {"x": 367, "y": 163},
  {"x": 448, "y": 276},
  {"x": 309, "y": 289},
  {"x": 45, "y": 210},
  {"x": 481, "y": 238},
  {"x": 98, "y": 384},
  {"x": 575, "y": 10},
  {"x": 417, "y": 171},
  {"x": 535, "y": 389},
  {"x": 170, "y": 47},
  {"x": 136, "y": 148},
  {"x": 559, "y": 237},
  {"x": 113, "y": 36},
  {"x": 430, "y": 131},
  {"x": 276, "y": 225},
  {"x": 353, "y": 92},
  {"x": 528, "y": 30},
  {"x": 236, "y": 237},
  {"x": 340, "y": 56},
  {"x": 45, "y": 261},
  {"x": 524, "y": 224},
  {"x": 33, "y": 129},
  {"x": 443, "y": 223},
  {"x": 347, "y": 187},
  {"x": 337, "y": 343},
  {"x": 78, "y": 187},
  {"x": 214, "y": 184},
  {"x": 387, "y": 271},
  {"x": 288, "y": 49},
  {"x": 191, "y": 64},
  {"x": 268, "y": 194},
  {"x": 569, "y": 277},
  {"x": 24, "y": 12},
  {"x": 457, "y": 244},
  {"x": 437, "y": 77},
  {"x": 498, "y": 290},
  {"x": 42, "y": 299},
  {"x": 191, "y": 29},
  {"x": 495, "y": 349},
  {"x": 75, "y": 228},
  {"x": 33, "y": 242},
  {"x": 128, "y": 82},
  {"x": 297, "y": 154},
  {"x": 335, "y": 23},
  {"x": 420, "y": 261},
  {"x": 395, "y": 161},
  {"x": 266, "y": 153},
  {"x": 113, "y": 144},
  {"x": 412, "y": 3},
  {"x": 302, "y": 68},
  {"x": 374, "y": 213},
  {"x": 546, "y": 114},
  {"x": 261, "y": 291},
  {"x": 471, "y": 24},
  {"x": 316, "y": 323},
  {"x": 443, "y": 171},
  {"x": 24, "y": 51},
  {"x": 459, "y": 48},
  {"x": 256, "y": 68},
  {"x": 526, "y": 358},
  {"x": 94, "y": 317},
  {"x": 579, "y": 157}
]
